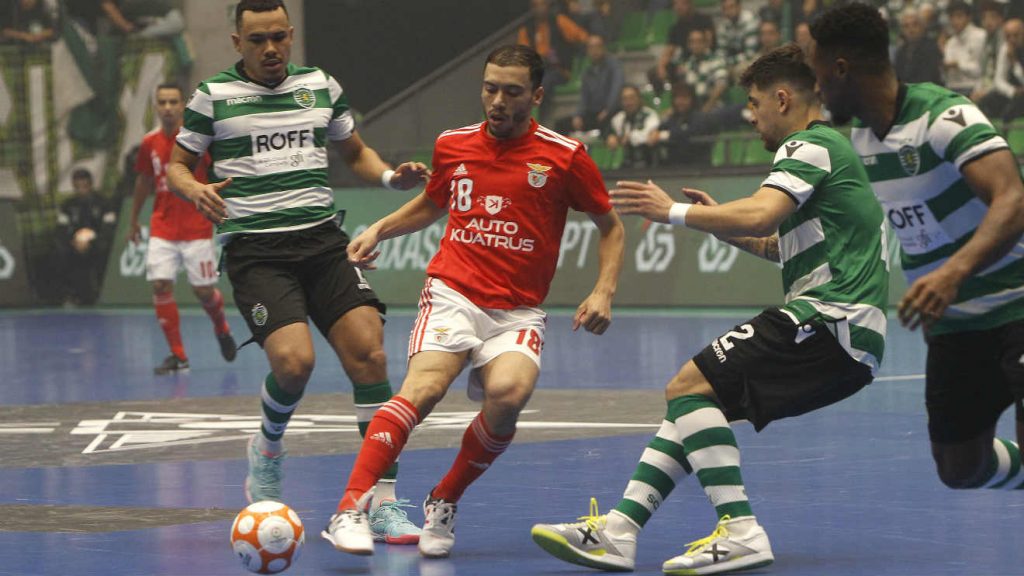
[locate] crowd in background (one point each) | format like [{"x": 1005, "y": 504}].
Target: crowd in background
[
  {"x": 975, "y": 48},
  {"x": 29, "y": 22}
]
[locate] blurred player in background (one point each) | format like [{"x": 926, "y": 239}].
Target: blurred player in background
[
  {"x": 507, "y": 185},
  {"x": 179, "y": 236},
  {"x": 266, "y": 123}
]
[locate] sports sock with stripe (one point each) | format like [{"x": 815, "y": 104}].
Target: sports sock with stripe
[
  {"x": 278, "y": 406},
  {"x": 367, "y": 399},
  {"x": 170, "y": 322},
  {"x": 385, "y": 437},
  {"x": 480, "y": 448}
]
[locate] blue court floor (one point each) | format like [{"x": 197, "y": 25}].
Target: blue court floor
[{"x": 848, "y": 490}]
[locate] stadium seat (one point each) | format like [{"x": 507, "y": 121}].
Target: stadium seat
[
  {"x": 633, "y": 36},
  {"x": 661, "y": 23},
  {"x": 1015, "y": 137},
  {"x": 718, "y": 156},
  {"x": 754, "y": 153}
]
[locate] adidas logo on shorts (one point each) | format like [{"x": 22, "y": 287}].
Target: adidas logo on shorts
[{"x": 384, "y": 437}]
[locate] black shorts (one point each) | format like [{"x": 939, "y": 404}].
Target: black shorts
[
  {"x": 972, "y": 377},
  {"x": 771, "y": 368},
  {"x": 281, "y": 278}
]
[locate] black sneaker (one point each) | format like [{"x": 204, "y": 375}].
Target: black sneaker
[
  {"x": 171, "y": 365},
  {"x": 228, "y": 349}
]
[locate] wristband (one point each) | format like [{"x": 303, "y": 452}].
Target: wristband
[
  {"x": 385, "y": 179},
  {"x": 677, "y": 214}
]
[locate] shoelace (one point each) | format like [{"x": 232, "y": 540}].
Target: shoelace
[
  {"x": 594, "y": 520},
  {"x": 391, "y": 511},
  {"x": 269, "y": 468},
  {"x": 720, "y": 532}
]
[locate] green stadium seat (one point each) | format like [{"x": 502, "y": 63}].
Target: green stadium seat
[
  {"x": 579, "y": 64},
  {"x": 718, "y": 156},
  {"x": 633, "y": 36},
  {"x": 754, "y": 153},
  {"x": 661, "y": 23},
  {"x": 604, "y": 158},
  {"x": 1015, "y": 138}
]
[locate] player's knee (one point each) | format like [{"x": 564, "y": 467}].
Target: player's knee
[
  {"x": 294, "y": 370},
  {"x": 508, "y": 397},
  {"x": 161, "y": 287},
  {"x": 203, "y": 293},
  {"x": 371, "y": 357}
]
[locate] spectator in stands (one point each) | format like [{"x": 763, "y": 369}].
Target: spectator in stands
[
  {"x": 677, "y": 49},
  {"x": 99, "y": 16},
  {"x": 736, "y": 33},
  {"x": 992, "y": 21},
  {"x": 769, "y": 37},
  {"x": 806, "y": 10},
  {"x": 918, "y": 58},
  {"x": 771, "y": 11},
  {"x": 85, "y": 227},
  {"x": 705, "y": 71},
  {"x": 674, "y": 137},
  {"x": 606, "y": 20},
  {"x": 631, "y": 128},
  {"x": 29, "y": 22},
  {"x": 600, "y": 88},
  {"x": 802, "y": 36},
  {"x": 555, "y": 37},
  {"x": 964, "y": 50},
  {"x": 1006, "y": 99}
]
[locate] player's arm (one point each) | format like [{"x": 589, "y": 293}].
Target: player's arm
[
  {"x": 758, "y": 215},
  {"x": 182, "y": 181},
  {"x": 416, "y": 214},
  {"x": 595, "y": 313},
  {"x": 143, "y": 186},
  {"x": 995, "y": 179},
  {"x": 367, "y": 164},
  {"x": 767, "y": 248}
]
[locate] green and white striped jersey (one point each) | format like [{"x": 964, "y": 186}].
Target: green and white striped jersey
[
  {"x": 915, "y": 173},
  {"x": 272, "y": 142},
  {"x": 834, "y": 261}
]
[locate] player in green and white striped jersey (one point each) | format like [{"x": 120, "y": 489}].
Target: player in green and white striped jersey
[
  {"x": 952, "y": 192},
  {"x": 266, "y": 123},
  {"x": 815, "y": 214}
]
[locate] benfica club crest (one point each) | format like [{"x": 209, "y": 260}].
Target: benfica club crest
[{"x": 537, "y": 177}]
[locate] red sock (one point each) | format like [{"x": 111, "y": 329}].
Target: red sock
[
  {"x": 167, "y": 314},
  {"x": 479, "y": 449},
  {"x": 385, "y": 437},
  {"x": 215, "y": 310}
]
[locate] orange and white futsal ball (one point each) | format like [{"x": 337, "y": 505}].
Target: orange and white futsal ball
[{"x": 267, "y": 537}]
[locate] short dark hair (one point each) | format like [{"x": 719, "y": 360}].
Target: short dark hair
[
  {"x": 81, "y": 174},
  {"x": 256, "y": 6},
  {"x": 519, "y": 55},
  {"x": 784, "y": 64},
  {"x": 958, "y": 6},
  {"x": 992, "y": 6},
  {"x": 170, "y": 86},
  {"x": 857, "y": 31},
  {"x": 680, "y": 88}
]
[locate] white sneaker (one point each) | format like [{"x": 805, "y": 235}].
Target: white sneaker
[
  {"x": 587, "y": 543},
  {"x": 725, "y": 550},
  {"x": 349, "y": 531},
  {"x": 438, "y": 534}
]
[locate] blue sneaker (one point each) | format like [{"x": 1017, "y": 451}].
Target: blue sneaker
[
  {"x": 389, "y": 523},
  {"x": 265, "y": 474}
]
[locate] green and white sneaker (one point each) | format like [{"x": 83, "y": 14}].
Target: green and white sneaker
[
  {"x": 587, "y": 543},
  {"x": 265, "y": 475},
  {"x": 736, "y": 544},
  {"x": 390, "y": 523}
]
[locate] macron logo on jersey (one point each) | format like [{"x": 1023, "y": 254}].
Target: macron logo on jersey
[
  {"x": 384, "y": 437},
  {"x": 244, "y": 100}
]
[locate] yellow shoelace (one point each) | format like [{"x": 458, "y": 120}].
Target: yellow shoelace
[
  {"x": 594, "y": 520},
  {"x": 720, "y": 532}
]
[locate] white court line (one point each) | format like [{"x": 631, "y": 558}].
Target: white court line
[
  {"x": 28, "y": 427},
  {"x": 900, "y": 378}
]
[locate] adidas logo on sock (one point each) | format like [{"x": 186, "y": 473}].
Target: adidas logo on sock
[
  {"x": 384, "y": 437},
  {"x": 479, "y": 465}
]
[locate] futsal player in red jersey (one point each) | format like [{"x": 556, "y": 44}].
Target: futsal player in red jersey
[
  {"x": 179, "y": 236},
  {"x": 507, "y": 185}
]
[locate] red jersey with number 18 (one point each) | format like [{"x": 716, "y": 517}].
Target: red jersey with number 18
[
  {"x": 173, "y": 219},
  {"x": 507, "y": 204}
]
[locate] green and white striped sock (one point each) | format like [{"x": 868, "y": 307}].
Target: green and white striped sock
[
  {"x": 368, "y": 398},
  {"x": 710, "y": 448},
  {"x": 662, "y": 465},
  {"x": 1005, "y": 470},
  {"x": 278, "y": 406}
]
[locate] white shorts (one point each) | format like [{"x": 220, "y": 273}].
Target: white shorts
[
  {"x": 165, "y": 258},
  {"x": 449, "y": 322}
]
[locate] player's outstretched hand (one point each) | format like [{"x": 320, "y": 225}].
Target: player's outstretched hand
[
  {"x": 362, "y": 250},
  {"x": 208, "y": 202},
  {"x": 645, "y": 199},
  {"x": 927, "y": 299},
  {"x": 699, "y": 197},
  {"x": 594, "y": 314},
  {"x": 409, "y": 175}
]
